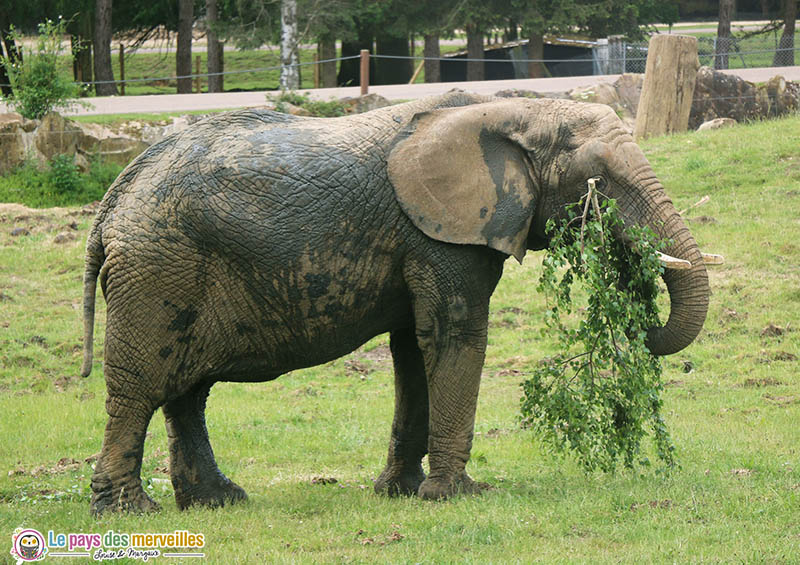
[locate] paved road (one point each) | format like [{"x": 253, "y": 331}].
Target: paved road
[{"x": 230, "y": 100}]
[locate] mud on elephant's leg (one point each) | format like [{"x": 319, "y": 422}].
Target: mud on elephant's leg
[
  {"x": 409, "y": 442},
  {"x": 116, "y": 484},
  {"x": 193, "y": 469},
  {"x": 452, "y": 324}
]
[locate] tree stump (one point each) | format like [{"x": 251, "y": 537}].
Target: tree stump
[{"x": 668, "y": 86}]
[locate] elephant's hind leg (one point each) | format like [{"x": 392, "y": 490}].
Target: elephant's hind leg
[
  {"x": 409, "y": 442},
  {"x": 193, "y": 469},
  {"x": 116, "y": 484}
]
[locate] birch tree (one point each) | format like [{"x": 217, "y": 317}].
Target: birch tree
[{"x": 290, "y": 72}]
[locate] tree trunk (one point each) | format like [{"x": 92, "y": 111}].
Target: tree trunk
[
  {"x": 393, "y": 71},
  {"x": 83, "y": 57},
  {"x": 433, "y": 69},
  {"x": 668, "y": 87},
  {"x": 784, "y": 57},
  {"x": 5, "y": 82},
  {"x": 350, "y": 70},
  {"x": 290, "y": 72},
  {"x": 511, "y": 33},
  {"x": 536, "y": 67},
  {"x": 327, "y": 50},
  {"x": 103, "y": 73},
  {"x": 214, "y": 62},
  {"x": 474, "y": 51},
  {"x": 183, "y": 55},
  {"x": 724, "y": 42}
]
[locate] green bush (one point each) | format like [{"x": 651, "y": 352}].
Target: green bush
[
  {"x": 38, "y": 85},
  {"x": 322, "y": 109},
  {"x": 599, "y": 396},
  {"x": 60, "y": 184},
  {"x": 63, "y": 174}
]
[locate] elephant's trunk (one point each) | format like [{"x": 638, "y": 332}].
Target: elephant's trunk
[{"x": 688, "y": 289}]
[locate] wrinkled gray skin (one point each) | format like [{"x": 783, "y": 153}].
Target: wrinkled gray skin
[{"x": 257, "y": 243}]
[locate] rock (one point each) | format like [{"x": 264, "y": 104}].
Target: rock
[
  {"x": 720, "y": 95},
  {"x": 717, "y": 123},
  {"x": 55, "y": 136},
  {"x": 366, "y": 103},
  {"x": 12, "y": 141},
  {"x": 289, "y": 108},
  {"x": 16, "y": 232},
  {"x": 64, "y": 237},
  {"x": 100, "y": 142},
  {"x": 518, "y": 93},
  {"x": 605, "y": 93},
  {"x": 629, "y": 90}
]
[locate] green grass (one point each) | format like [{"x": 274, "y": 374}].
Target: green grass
[
  {"x": 34, "y": 185},
  {"x": 734, "y": 417}
]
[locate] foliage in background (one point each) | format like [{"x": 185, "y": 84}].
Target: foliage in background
[
  {"x": 319, "y": 108},
  {"x": 597, "y": 397},
  {"x": 39, "y": 85},
  {"x": 59, "y": 184}
]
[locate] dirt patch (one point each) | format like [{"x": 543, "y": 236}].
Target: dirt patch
[
  {"x": 758, "y": 383},
  {"x": 774, "y": 331},
  {"x": 702, "y": 220},
  {"x": 663, "y": 504},
  {"x": 379, "y": 354},
  {"x": 323, "y": 481},
  {"x": 64, "y": 464},
  {"x": 742, "y": 472},
  {"x": 782, "y": 400}
]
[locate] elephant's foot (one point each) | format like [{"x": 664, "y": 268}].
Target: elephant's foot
[
  {"x": 437, "y": 488},
  {"x": 214, "y": 493},
  {"x": 395, "y": 481},
  {"x": 125, "y": 498}
]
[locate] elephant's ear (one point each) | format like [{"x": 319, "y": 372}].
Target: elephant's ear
[{"x": 460, "y": 178}]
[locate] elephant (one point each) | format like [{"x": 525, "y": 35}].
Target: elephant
[{"x": 256, "y": 243}]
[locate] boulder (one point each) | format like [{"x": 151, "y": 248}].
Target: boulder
[
  {"x": 99, "y": 142},
  {"x": 12, "y": 141},
  {"x": 366, "y": 103},
  {"x": 604, "y": 93},
  {"x": 717, "y": 123},
  {"x": 720, "y": 95},
  {"x": 55, "y": 136}
]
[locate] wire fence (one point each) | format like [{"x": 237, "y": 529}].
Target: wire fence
[{"x": 510, "y": 62}]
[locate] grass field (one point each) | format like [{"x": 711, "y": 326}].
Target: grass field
[{"x": 732, "y": 402}]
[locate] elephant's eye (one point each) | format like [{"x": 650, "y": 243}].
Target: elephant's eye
[{"x": 600, "y": 183}]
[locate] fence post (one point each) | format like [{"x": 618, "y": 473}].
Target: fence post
[
  {"x": 668, "y": 88},
  {"x": 121, "y": 69},
  {"x": 197, "y": 73},
  {"x": 364, "y": 72}
]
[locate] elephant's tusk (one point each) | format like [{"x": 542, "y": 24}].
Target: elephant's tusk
[
  {"x": 712, "y": 259},
  {"x": 670, "y": 262}
]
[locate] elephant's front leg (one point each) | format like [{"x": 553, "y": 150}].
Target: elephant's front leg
[
  {"x": 451, "y": 319},
  {"x": 409, "y": 442}
]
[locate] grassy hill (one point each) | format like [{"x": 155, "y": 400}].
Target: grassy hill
[{"x": 732, "y": 402}]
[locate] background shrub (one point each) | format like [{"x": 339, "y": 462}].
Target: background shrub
[{"x": 38, "y": 84}]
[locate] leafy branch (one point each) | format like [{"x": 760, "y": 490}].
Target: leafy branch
[{"x": 601, "y": 395}]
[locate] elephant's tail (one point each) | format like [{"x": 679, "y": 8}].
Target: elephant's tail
[{"x": 95, "y": 256}]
